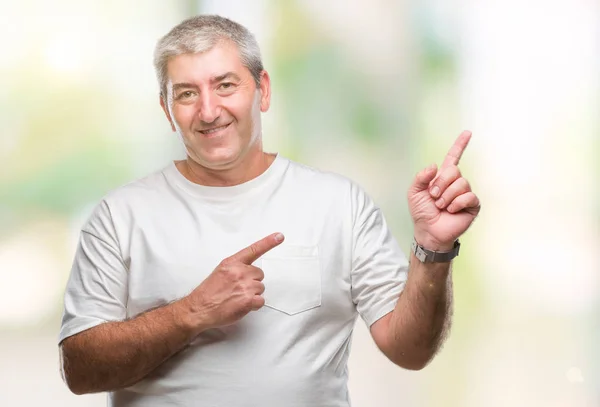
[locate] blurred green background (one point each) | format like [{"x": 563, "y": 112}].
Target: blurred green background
[{"x": 375, "y": 90}]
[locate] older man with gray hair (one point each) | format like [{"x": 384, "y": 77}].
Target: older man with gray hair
[{"x": 176, "y": 297}]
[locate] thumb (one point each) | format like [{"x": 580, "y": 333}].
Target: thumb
[{"x": 423, "y": 179}]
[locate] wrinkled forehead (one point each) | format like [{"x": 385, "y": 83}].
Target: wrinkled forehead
[{"x": 202, "y": 67}]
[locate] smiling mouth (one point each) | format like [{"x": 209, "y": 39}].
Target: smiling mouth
[{"x": 214, "y": 129}]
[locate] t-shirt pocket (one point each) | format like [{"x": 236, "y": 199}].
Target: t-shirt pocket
[{"x": 292, "y": 278}]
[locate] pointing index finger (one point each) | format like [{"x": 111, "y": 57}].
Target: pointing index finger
[
  {"x": 250, "y": 254},
  {"x": 456, "y": 151}
]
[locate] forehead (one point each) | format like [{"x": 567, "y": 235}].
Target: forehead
[{"x": 200, "y": 67}]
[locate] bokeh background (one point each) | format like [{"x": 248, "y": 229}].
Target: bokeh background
[{"x": 373, "y": 89}]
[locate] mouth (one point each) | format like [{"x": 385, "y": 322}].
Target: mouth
[{"x": 215, "y": 130}]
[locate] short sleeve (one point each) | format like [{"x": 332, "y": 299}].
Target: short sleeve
[
  {"x": 379, "y": 267},
  {"x": 96, "y": 290}
]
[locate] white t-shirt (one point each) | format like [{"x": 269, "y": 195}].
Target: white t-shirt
[{"x": 154, "y": 240}]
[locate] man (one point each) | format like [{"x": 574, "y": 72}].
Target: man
[{"x": 234, "y": 277}]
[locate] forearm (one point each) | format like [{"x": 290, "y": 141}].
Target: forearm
[
  {"x": 422, "y": 316},
  {"x": 119, "y": 354}
]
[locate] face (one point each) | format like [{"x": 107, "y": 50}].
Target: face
[{"x": 214, "y": 104}]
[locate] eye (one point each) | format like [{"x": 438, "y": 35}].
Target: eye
[
  {"x": 186, "y": 94},
  {"x": 226, "y": 85}
]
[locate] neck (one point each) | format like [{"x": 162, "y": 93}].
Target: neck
[{"x": 248, "y": 168}]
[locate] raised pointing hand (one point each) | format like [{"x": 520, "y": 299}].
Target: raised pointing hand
[{"x": 441, "y": 202}]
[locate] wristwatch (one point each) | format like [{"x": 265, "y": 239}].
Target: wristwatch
[{"x": 429, "y": 256}]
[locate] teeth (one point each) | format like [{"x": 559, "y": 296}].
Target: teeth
[{"x": 213, "y": 130}]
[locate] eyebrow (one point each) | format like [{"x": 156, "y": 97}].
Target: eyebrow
[
  {"x": 218, "y": 78},
  {"x": 226, "y": 75},
  {"x": 183, "y": 85}
]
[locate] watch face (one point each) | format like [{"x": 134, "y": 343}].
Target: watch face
[{"x": 421, "y": 254}]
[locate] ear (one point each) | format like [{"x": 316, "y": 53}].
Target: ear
[
  {"x": 265, "y": 91},
  {"x": 166, "y": 110}
]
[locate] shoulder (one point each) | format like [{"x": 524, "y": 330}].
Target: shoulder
[
  {"x": 150, "y": 192},
  {"x": 133, "y": 197},
  {"x": 150, "y": 186},
  {"x": 328, "y": 182},
  {"x": 318, "y": 178}
]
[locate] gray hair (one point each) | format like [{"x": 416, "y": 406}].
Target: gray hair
[{"x": 200, "y": 34}]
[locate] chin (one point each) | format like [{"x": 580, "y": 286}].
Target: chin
[{"x": 220, "y": 159}]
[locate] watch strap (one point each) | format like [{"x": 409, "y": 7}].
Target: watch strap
[{"x": 431, "y": 256}]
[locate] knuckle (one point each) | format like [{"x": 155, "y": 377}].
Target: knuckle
[
  {"x": 460, "y": 199},
  {"x": 252, "y": 303},
  {"x": 246, "y": 300},
  {"x": 464, "y": 184},
  {"x": 237, "y": 274},
  {"x": 224, "y": 267},
  {"x": 468, "y": 200},
  {"x": 452, "y": 172},
  {"x": 447, "y": 175},
  {"x": 255, "y": 273},
  {"x": 231, "y": 272},
  {"x": 443, "y": 180},
  {"x": 225, "y": 262},
  {"x": 260, "y": 302},
  {"x": 248, "y": 291}
]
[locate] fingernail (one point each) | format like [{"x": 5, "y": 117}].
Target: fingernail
[
  {"x": 440, "y": 203},
  {"x": 279, "y": 237},
  {"x": 435, "y": 191}
]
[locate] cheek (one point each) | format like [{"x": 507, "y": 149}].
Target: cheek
[
  {"x": 241, "y": 107},
  {"x": 183, "y": 115}
]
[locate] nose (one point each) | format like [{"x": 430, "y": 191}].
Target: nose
[{"x": 209, "y": 109}]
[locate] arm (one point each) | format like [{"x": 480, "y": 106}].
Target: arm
[
  {"x": 411, "y": 335},
  {"x": 442, "y": 207},
  {"x": 118, "y": 354},
  {"x": 115, "y": 355}
]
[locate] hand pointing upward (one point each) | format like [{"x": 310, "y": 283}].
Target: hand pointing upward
[{"x": 441, "y": 202}]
